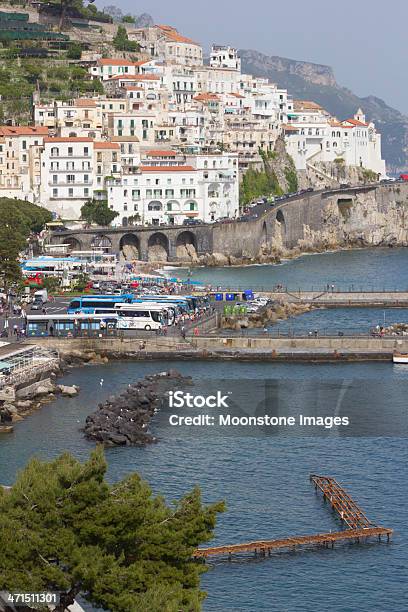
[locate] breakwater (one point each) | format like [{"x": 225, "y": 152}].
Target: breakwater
[{"x": 123, "y": 420}]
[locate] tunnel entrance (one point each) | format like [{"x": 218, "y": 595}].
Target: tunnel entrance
[
  {"x": 129, "y": 246},
  {"x": 186, "y": 246},
  {"x": 158, "y": 247}
]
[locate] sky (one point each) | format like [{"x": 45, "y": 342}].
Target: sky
[{"x": 364, "y": 41}]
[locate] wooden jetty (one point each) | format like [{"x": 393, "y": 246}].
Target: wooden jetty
[{"x": 360, "y": 528}]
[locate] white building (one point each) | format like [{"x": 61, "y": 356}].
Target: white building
[
  {"x": 169, "y": 188},
  {"x": 224, "y": 57},
  {"x": 67, "y": 175},
  {"x": 313, "y": 136}
]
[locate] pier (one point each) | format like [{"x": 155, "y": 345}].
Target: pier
[
  {"x": 342, "y": 299},
  {"x": 360, "y": 528}
]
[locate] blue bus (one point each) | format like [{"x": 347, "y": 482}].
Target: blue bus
[
  {"x": 68, "y": 326},
  {"x": 89, "y": 304}
]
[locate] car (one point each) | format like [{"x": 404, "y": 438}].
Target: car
[
  {"x": 310, "y": 189},
  {"x": 191, "y": 222},
  {"x": 344, "y": 185}
]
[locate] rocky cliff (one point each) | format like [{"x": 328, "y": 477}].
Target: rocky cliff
[{"x": 307, "y": 81}]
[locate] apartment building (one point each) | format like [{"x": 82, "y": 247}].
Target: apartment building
[
  {"x": 169, "y": 187},
  {"x": 67, "y": 174},
  {"x": 20, "y": 162}
]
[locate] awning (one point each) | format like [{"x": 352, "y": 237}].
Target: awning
[{"x": 5, "y": 365}]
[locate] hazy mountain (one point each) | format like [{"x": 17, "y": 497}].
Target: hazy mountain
[{"x": 307, "y": 81}]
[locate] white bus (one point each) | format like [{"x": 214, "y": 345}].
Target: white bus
[{"x": 141, "y": 316}]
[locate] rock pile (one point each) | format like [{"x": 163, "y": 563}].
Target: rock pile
[
  {"x": 270, "y": 315},
  {"x": 124, "y": 420}
]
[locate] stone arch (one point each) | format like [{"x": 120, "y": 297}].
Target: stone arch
[
  {"x": 158, "y": 247},
  {"x": 186, "y": 246},
  {"x": 129, "y": 246},
  {"x": 73, "y": 243},
  {"x": 186, "y": 237},
  {"x": 101, "y": 241}
]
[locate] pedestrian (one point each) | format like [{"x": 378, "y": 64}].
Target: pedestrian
[
  {"x": 44, "y": 310},
  {"x": 316, "y": 333},
  {"x": 15, "y": 329},
  {"x": 196, "y": 332},
  {"x": 51, "y": 328},
  {"x": 183, "y": 332}
]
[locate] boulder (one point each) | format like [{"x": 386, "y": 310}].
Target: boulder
[{"x": 69, "y": 391}]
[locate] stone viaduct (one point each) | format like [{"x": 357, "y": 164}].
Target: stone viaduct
[{"x": 372, "y": 214}]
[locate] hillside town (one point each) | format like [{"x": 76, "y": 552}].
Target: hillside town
[{"x": 171, "y": 137}]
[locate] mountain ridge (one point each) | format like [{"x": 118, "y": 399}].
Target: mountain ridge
[{"x": 317, "y": 82}]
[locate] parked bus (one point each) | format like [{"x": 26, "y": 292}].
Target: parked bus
[
  {"x": 89, "y": 304},
  {"x": 169, "y": 312},
  {"x": 141, "y": 316},
  {"x": 69, "y": 326}
]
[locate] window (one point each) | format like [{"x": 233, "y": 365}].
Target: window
[
  {"x": 86, "y": 178},
  {"x": 55, "y": 193},
  {"x": 54, "y": 152},
  {"x": 70, "y": 178},
  {"x": 55, "y": 179},
  {"x": 70, "y": 151},
  {"x": 24, "y": 144},
  {"x": 86, "y": 192},
  {"x": 70, "y": 192},
  {"x": 86, "y": 151}
]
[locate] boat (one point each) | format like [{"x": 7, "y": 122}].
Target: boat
[{"x": 400, "y": 358}]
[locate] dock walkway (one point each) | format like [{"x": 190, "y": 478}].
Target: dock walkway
[{"x": 360, "y": 527}]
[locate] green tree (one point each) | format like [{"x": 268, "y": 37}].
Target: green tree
[
  {"x": 18, "y": 219},
  {"x": 74, "y": 51},
  {"x": 128, "y": 19},
  {"x": 65, "y": 529},
  {"x": 94, "y": 211},
  {"x": 121, "y": 41}
]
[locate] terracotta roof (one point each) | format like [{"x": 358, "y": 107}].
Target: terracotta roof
[
  {"x": 173, "y": 35},
  {"x": 355, "y": 122},
  {"x": 68, "y": 139},
  {"x": 23, "y": 130},
  {"x": 84, "y": 102},
  {"x": 341, "y": 125},
  {"x": 105, "y": 145},
  {"x": 158, "y": 153},
  {"x": 167, "y": 169},
  {"x": 134, "y": 88},
  {"x": 306, "y": 105},
  {"x": 236, "y": 95},
  {"x": 206, "y": 97},
  {"x": 290, "y": 128}
]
